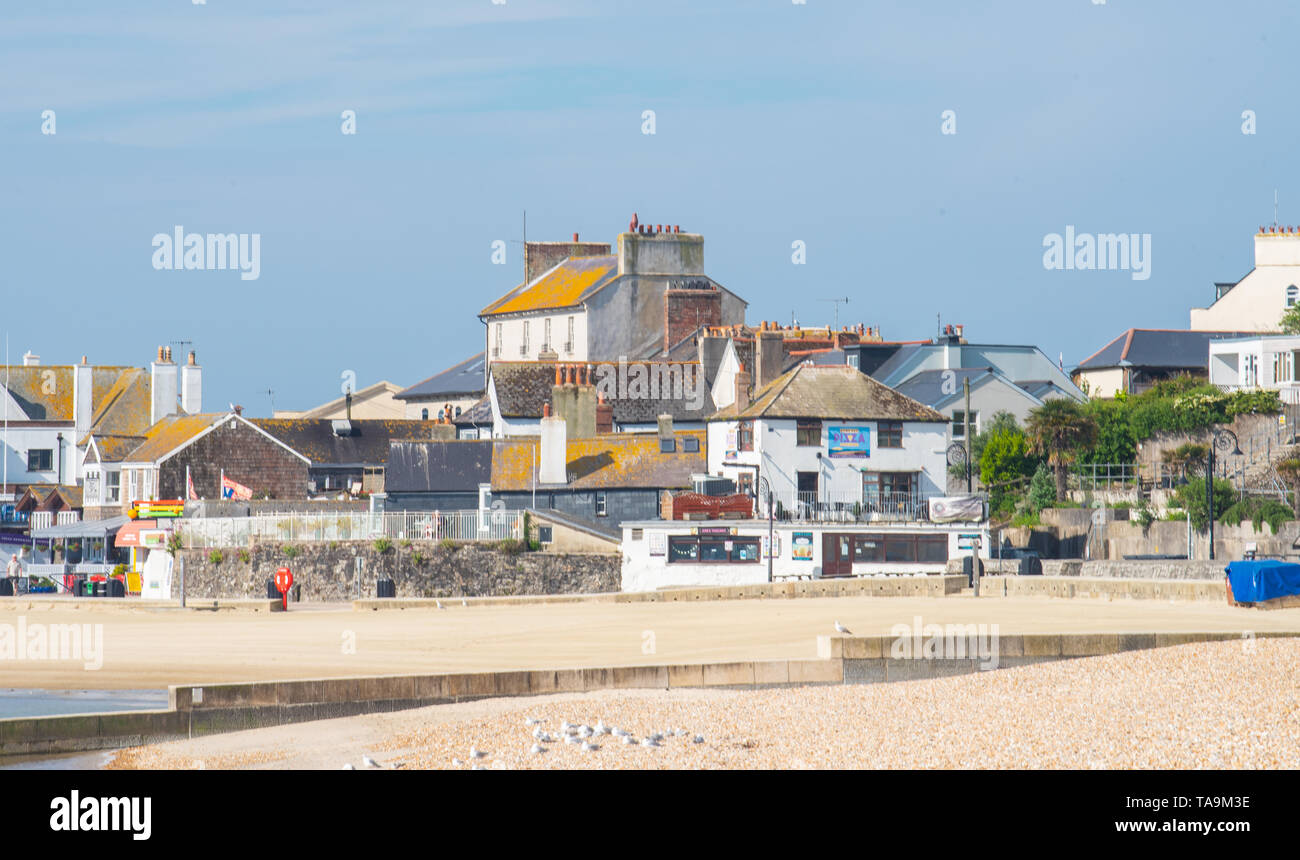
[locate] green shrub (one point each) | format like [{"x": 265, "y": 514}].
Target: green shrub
[
  {"x": 290, "y": 550},
  {"x": 119, "y": 570},
  {"x": 1042, "y": 489},
  {"x": 383, "y": 545},
  {"x": 1145, "y": 517},
  {"x": 417, "y": 557},
  {"x": 510, "y": 546},
  {"x": 1028, "y": 518},
  {"x": 1191, "y": 498},
  {"x": 1257, "y": 511},
  {"x": 448, "y": 544},
  {"x": 243, "y": 556},
  {"x": 215, "y": 556},
  {"x": 406, "y": 544}
]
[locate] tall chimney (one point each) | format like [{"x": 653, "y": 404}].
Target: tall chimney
[
  {"x": 191, "y": 386},
  {"x": 162, "y": 388},
  {"x": 554, "y": 451},
  {"x": 604, "y": 415},
  {"x": 742, "y": 389},
  {"x": 769, "y": 355},
  {"x": 31, "y": 359},
  {"x": 83, "y": 406}
]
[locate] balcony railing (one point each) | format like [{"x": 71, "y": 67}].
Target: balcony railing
[
  {"x": 848, "y": 507},
  {"x": 491, "y": 525}
]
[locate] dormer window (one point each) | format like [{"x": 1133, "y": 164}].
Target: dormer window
[{"x": 1292, "y": 293}]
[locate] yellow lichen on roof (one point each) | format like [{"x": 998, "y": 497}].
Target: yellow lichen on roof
[
  {"x": 605, "y": 461},
  {"x": 562, "y": 287},
  {"x": 169, "y": 434}
]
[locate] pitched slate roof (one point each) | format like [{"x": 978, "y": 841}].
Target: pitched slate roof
[
  {"x": 114, "y": 449},
  {"x": 564, "y": 286},
  {"x": 438, "y": 466},
  {"x": 522, "y": 387},
  {"x": 477, "y": 415},
  {"x": 1149, "y": 347},
  {"x": 830, "y": 391},
  {"x": 463, "y": 378},
  {"x": 43, "y": 497},
  {"x": 169, "y": 434},
  {"x": 931, "y": 386},
  {"x": 125, "y": 409},
  {"x": 44, "y": 391},
  {"x": 610, "y": 461},
  {"x": 368, "y": 444}
]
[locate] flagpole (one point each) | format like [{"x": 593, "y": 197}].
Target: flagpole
[{"x": 221, "y": 488}]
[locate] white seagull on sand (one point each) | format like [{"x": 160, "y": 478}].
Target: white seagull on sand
[
  {"x": 464, "y": 602},
  {"x": 531, "y": 721},
  {"x": 369, "y": 762},
  {"x": 475, "y": 752},
  {"x": 840, "y": 628},
  {"x": 348, "y": 766},
  {"x": 538, "y": 749},
  {"x": 440, "y": 606}
]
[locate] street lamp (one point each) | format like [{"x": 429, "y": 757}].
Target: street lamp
[
  {"x": 762, "y": 484},
  {"x": 1222, "y": 440}
]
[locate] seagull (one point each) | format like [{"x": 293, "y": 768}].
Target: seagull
[
  {"x": 681, "y": 733},
  {"x": 399, "y": 765},
  {"x": 840, "y": 628},
  {"x": 699, "y": 739},
  {"x": 440, "y": 606},
  {"x": 589, "y": 747},
  {"x": 369, "y": 762},
  {"x": 348, "y": 766},
  {"x": 628, "y": 739},
  {"x": 531, "y": 721},
  {"x": 656, "y": 737},
  {"x": 475, "y": 752},
  {"x": 622, "y": 733},
  {"x": 601, "y": 728},
  {"x": 464, "y": 602},
  {"x": 538, "y": 749},
  {"x": 457, "y": 762},
  {"x": 573, "y": 739},
  {"x": 649, "y": 742},
  {"x": 585, "y": 731}
]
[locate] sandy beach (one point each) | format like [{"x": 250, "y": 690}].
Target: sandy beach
[
  {"x": 1209, "y": 705},
  {"x": 156, "y": 647}
]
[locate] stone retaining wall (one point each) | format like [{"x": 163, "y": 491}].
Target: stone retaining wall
[{"x": 328, "y": 571}]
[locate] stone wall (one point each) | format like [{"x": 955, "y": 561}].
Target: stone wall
[{"x": 328, "y": 571}]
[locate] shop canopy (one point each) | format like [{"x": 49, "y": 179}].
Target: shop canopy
[{"x": 82, "y": 530}]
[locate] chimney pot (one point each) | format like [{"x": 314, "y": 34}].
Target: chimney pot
[
  {"x": 676, "y": 229},
  {"x": 546, "y": 410},
  {"x": 575, "y": 237},
  {"x": 559, "y": 380},
  {"x": 83, "y": 359}
]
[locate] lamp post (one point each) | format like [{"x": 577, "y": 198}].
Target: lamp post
[
  {"x": 765, "y": 487},
  {"x": 1223, "y": 440}
]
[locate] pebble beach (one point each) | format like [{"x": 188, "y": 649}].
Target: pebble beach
[{"x": 1232, "y": 704}]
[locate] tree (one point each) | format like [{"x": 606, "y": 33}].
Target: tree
[
  {"x": 1191, "y": 498},
  {"x": 1290, "y": 322},
  {"x": 1042, "y": 491},
  {"x": 1004, "y": 463},
  {"x": 1057, "y": 430}
]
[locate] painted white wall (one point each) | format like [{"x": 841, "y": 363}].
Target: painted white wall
[
  {"x": 1261, "y": 362},
  {"x": 511, "y": 336},
  {"x": 988, "y": 397},
  {"x": 779, "y": 458},
  {"x": 20, "y": 440},
  {"x": 644, "y": 572},
  {"x": 1258, "y": 301},
  {"x": 1102, "y": 383}
]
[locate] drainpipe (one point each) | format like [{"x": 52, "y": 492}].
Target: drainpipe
[{"x": 58, "y": 475}]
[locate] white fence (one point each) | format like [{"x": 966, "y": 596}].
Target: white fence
[{"x": 207, "y": 532}]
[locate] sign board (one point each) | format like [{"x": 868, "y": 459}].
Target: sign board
[
  {"x": 969, "y": 541},
  {"x": 157, "y": 576},
  {"x": 775, "y": 549},
  {"x": 848, "y": 442},
  {"x": 956, "y": 509},
  {"x": 154, "y": 538},
  {"x": 658, "y": 543},
  {"x": 801, "y": 546}
]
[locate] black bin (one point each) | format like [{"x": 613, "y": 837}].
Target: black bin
[
  {"x": 385, "y": 588},
  {"x": 116, "y": 588},
  {"x": 6, "y": 587},
  {"x": 971, "y": 568},
  {"x": 271, "y": 591},
  {"x": 1031, "y": 566},
  {"x": 101, "y": 589}
]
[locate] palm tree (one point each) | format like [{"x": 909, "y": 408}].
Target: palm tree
[{"x": 1057, "y": 429}]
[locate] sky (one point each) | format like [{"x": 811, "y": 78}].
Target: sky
[{"x": 774, "y": 122}]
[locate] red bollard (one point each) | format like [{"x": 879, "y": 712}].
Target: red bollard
[{"x": 283, "y": 582}]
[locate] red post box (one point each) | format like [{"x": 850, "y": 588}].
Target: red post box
[{"x": 283, "y": 582}]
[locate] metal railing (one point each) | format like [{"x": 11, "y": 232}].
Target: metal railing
[
  {"x": 1092, "y": 476},
  {"x": 1287, "y": 392},
  {"x": 848, "y": 507},
  {"x": 209, "y": 532}
]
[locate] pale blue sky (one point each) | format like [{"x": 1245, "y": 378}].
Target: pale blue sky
[{"x": 775, "y": 122}]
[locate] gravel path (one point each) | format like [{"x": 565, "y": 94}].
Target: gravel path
[{"x": 1210, "y": 705}]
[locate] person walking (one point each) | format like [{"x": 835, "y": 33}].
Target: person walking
[{"x": 13, "y": 570}]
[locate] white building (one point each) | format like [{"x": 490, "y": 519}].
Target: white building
[
  {"x": 1268, "y": 362},
  {"x": 829, "y": 435},
  {"x": 1258, "y": 300}
]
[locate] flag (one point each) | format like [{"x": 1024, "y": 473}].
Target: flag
[
  {"x": 234, "y": 490},
  {"x": 190, "y": 495}
]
